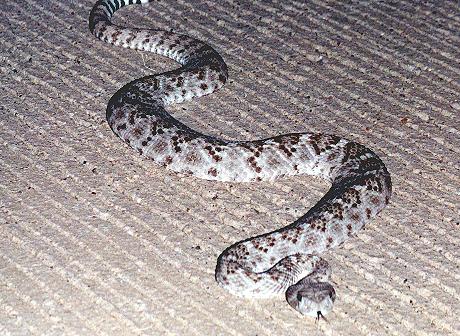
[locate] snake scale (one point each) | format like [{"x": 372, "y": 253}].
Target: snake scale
[{"x": 285, "y": 260}]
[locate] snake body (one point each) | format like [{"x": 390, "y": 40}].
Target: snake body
[{"x": 282, "y": 261}]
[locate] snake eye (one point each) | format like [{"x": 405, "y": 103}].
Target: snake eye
[
  {"x": 332, "y": 296},
  {"x": 299, "y": 297}
]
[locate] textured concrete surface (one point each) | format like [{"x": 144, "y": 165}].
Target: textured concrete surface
[{"x": 96, "y": 240}]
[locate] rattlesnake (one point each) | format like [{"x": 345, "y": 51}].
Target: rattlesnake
[{"x": 285, "y": 260}]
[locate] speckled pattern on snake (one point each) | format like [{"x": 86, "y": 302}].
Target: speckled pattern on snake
[{"x": 282, "y": 261}]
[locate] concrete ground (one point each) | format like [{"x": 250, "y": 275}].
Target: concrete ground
[{"x": 97, "y": 240}]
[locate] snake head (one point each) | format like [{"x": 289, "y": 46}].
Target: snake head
[{"x": 314, "y": 299}]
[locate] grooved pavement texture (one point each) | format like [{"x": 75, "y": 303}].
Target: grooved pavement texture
[{"x": 96, "y": 240}]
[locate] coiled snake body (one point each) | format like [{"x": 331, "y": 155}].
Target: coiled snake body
[{"x": 285, "y": 260}]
